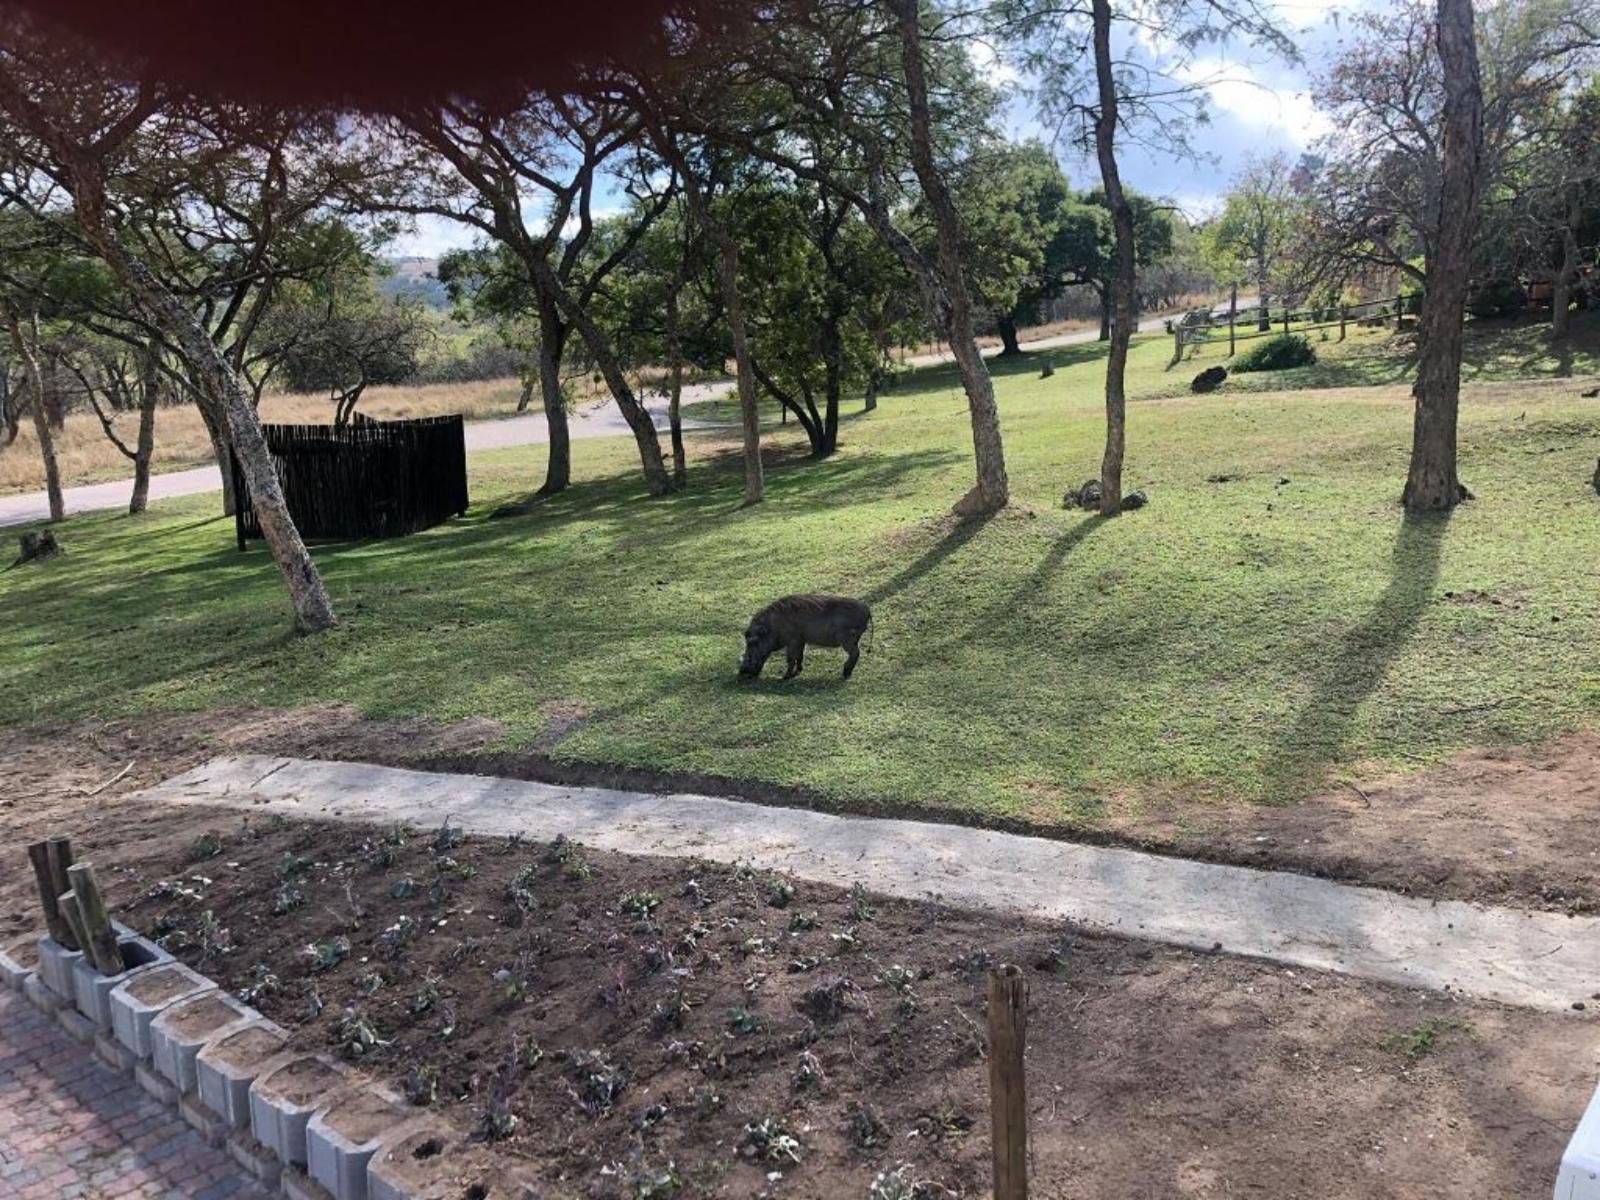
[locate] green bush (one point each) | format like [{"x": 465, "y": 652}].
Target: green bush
[
  {"x": 1277, "y": 354},
  {"x": 1497, "y": 298}
]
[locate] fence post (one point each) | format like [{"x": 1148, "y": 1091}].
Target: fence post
[
  {"x": 1399, "y": 312},
  {"x": 1177, "y": 345},
  {"x": 1008, "y": 1101},
  {"x": 1286, "y": 311},
  {"x": 239, "y": 494},
  {"x": 1344, "y": 315},
  {"x": 1233, "y": 315}
]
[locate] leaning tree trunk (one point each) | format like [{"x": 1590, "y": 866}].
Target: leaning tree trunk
[
  {"x": 221, "y": 450},
  {"x": 604, "y": 354},
  {"x": 1432, "y": 484},
  {"x": 1124, "y": 284},
  {"x": 1561, "y": 293},
  {"x": 552, "y": 344},
  {"x": 222, "y": 387},
  {"x": 149, "y": 399},
  {"x": 27, "y": 351},
  {"x": 993, "y": 491}
]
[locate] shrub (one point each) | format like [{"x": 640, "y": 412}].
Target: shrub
[
  {"x": 1277, "y": 354},
  {"x": 1497, "y": 298}
]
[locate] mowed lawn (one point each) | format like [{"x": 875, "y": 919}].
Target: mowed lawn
[{"x": 1248, "y": 639}]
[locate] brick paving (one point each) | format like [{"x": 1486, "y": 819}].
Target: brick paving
[{"x": 71, "y": 1128}]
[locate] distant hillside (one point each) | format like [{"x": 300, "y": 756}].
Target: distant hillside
[{"x": 414, "y": 278}]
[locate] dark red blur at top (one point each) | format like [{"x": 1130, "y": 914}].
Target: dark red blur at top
[{"x": 371, "y": 54}]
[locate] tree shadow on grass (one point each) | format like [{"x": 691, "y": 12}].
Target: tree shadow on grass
[
  {"x": 961, "y": 531},
  {"x": 1355, "y": 666}
]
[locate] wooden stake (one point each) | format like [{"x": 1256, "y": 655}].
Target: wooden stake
[
  {"x": 101, "y": 944},
  {"x": 1008, "y": 1100},
  {"x": 73, "y": 916},
  {"x": 1233, "y": 316},
  {"x": 38, "y": 855},
  {"x": 1344, "y": 315}
]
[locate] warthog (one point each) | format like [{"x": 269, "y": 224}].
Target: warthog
[{"x": 795, "y": 622}]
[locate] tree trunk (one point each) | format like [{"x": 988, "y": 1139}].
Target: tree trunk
[
  {"x": 552, "y": 345},
  {"x": 149, "y": 400},
  {"x": 993, "y": 490},
  {"x": 223, "y": 388},
  {"x": 525, "y": 397},
  {"x": 605, "y": 358},
  {"x": 1008, "y": 336},
  {"x": 1561, "y": 293},
  {"x": 1125, "y": 282},
  {"x": 833, "y": 365},
  {"x": 1432, "y": 484},
  {"x": 680, "y": 467},
  {"x": 872, "y": 390},
  {"x": 28, "y": 351},
  {"x": 221, "y": 448},
  {"x": 1265, "y": 324},
  {"x": 749, "y": 415}
]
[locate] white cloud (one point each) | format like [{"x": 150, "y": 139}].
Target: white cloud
[
  {"x": 430, "y": 237},
  {"x": 1242, "y": 93},
  {"x": 993, "y": 69}
]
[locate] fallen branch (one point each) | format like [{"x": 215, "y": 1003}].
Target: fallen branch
[{"x": 117, "y": 778}]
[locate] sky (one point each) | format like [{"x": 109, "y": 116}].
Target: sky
[{"x": 1258, "y": 105}]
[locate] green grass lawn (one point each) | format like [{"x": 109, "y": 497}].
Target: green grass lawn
[{"x": 1241, "y": 640}]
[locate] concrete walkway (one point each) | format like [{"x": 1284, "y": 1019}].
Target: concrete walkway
[{"x": 1537, "y": 960}]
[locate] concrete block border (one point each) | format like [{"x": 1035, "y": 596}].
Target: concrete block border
[{"x": 224, "y": 1067}]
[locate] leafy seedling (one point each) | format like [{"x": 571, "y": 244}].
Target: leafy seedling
[
  {"x": 421, "y": 1085},
  {"x": 639, "y": 904},
  {"x": 769, "y": 1141},
  {"x": 403, "y": 889},
  {"x": 801, "y": 921},
  {"x": 290, "y": 897},
  {"x": 356, "y": 1036},
  {"x": 1416, "y": 1044},
  {"x": 447, "y": 837},
  {"x": 207, "y": 845},
  {"x": 865, "y": 1128},
  {"x": 742, "y": 1022},
  {"x": 324, "y": 956},
  {"x": 292, "y": 865},
  {"x": 593, "y": 1082},
  {"x": 779, "y": 893}
]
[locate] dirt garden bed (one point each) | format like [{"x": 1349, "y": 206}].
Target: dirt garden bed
[{"x": 631, "y": 1027}]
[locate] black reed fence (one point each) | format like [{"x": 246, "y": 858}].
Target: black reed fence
[{"x": 366, "y": 479}]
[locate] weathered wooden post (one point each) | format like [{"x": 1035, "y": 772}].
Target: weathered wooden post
[
  {"x": 1399, "y": 313},
  {"x": 1008, "y": 1096},
  {"x": 1286, "y": 311},
  {"x": 100, "y": 941},
  {"x": 1344, "y": 316},
  {"x": 1177, "y": 345},
  {"x": 50, "y": 861},
  {"x": 1233, "y": 315}
]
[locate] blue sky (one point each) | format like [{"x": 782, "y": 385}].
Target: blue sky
[{"x": 1258, "y": 105}]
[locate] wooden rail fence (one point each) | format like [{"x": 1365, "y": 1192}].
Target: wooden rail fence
[
  {"x": 1306, "y": 319},
  {"x": 366, "y": 479}
]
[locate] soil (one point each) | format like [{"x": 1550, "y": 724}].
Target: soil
[
  {"x": 300, "y": 1081},
  {"x": 197, "y": 1017},
  {"x": 158, "y": 986},
  {"x": 1503, "y": 826},
  {"x": 24, "y": 951},
  {"x": 363, "y": 1115},
  {"x": 245, "y": 1048},
  {"x": 615, "y": 1022}
]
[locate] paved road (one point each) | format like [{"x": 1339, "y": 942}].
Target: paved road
[
  {"x": 602, "y": 420},
  {"x": 72, "y": 1127}
]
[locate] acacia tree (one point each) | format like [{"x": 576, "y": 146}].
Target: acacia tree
[
  {"x": 78, "y": 136},
  {"x": 1127, "y": 88},
  {"x": 1257, "y": 224},
  {"x": 1431, "y": 483},
  {"x": 497, "y": 164},
  {"x": 1377, "y": 201}
]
